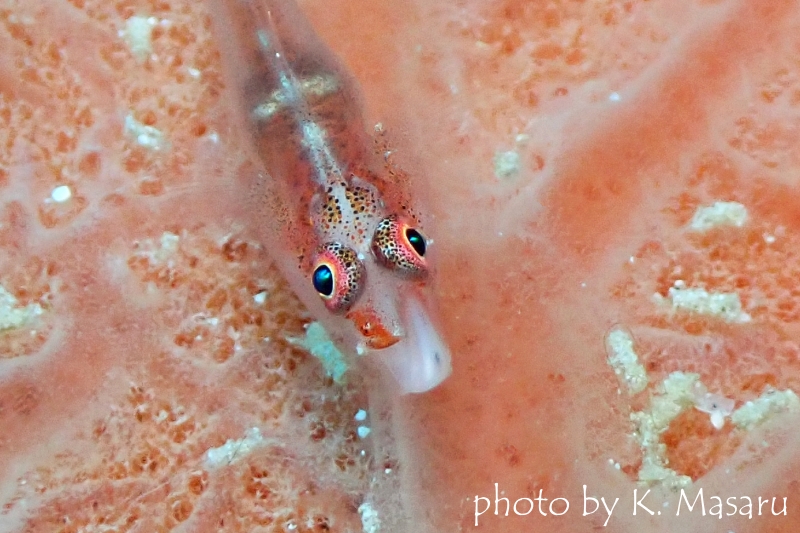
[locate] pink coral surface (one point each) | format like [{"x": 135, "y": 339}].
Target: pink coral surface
[{"x": 566, "y": 147}]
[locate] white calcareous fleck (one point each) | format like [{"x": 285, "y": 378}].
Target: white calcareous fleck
[
  {"x": 771, "y": 402},
  {"x": 138, "y": 35},
  {"x": 623, "y": 360},
  {"x": 319, "y": 344},
  {"x": 146, "y": 136},
  {"x": 506, "y": 164},
  {"x": 12, "y": 315},
  {"x": 168, "y": 247},
  {"x": 719, "y": 214},
  {"x": 233, "y": 449},
  {"x": 724, "y": 305},
  {"x": 60, "y": 194},
  {"x": 673, "y": 396},
  {"x": 370, "y": 522},
  {"x": 160, "y": 252}
]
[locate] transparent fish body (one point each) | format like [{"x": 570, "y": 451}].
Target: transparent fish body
[{"x": 333, "y": 211}]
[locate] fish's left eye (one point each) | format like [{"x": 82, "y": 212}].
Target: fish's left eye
[{"x": 400, "y": 247}]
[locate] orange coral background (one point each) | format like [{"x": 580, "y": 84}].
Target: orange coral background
[{"x": 151, "y": 348}]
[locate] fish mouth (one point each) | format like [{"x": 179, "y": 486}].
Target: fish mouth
[{"x": 375, "y": 334}]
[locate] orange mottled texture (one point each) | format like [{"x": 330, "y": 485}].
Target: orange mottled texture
[{"x": 143, "y": 345}]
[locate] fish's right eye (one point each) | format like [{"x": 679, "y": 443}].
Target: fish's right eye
[{"x": 338, "y": 276}]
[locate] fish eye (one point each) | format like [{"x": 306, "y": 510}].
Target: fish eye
[
  {"x": 338, "y": 276},
  {"x": 323, "y": 280},
  {"x": 416, "y": 240},
  {"x": 400, "y": 247}
]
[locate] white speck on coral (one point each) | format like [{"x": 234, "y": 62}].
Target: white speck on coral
[
  {"x": 62, "y": 193},
  {"x": 724, "y": 305},
  {"x": 319, "y": 344},
  {"x": 719, "y": 214},
  {"x": 506, "y": 164},
  {"x": 770, "y": 402},
  {"x": 166, "y": 249},
  {"x": 370, "y": 522},
  {"x": 232, "y": 449},
  {"x": 156, "y": 255},
  {"x": 361, "y": 415},
  {"x": 674, "y": 395},
  {"x": 137, "y": 35},
  {"x": 260, "y": 298},
  {"x": 768, "y": 238},
  {"x": 614, "y": 97},
  {"x": 193, "y": 72},
  {"x": 12, "y": 316},
  {"x": 146, "y": 136},
  {"x": 363, "y": 432},
  {"x": 169, "y": 242},
  {"x": 624, "y": 361}
]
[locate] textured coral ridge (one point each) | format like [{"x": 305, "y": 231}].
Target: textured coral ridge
[
  {"x": 141, "y": 327},
  {"x": 629, "y": 169}
]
